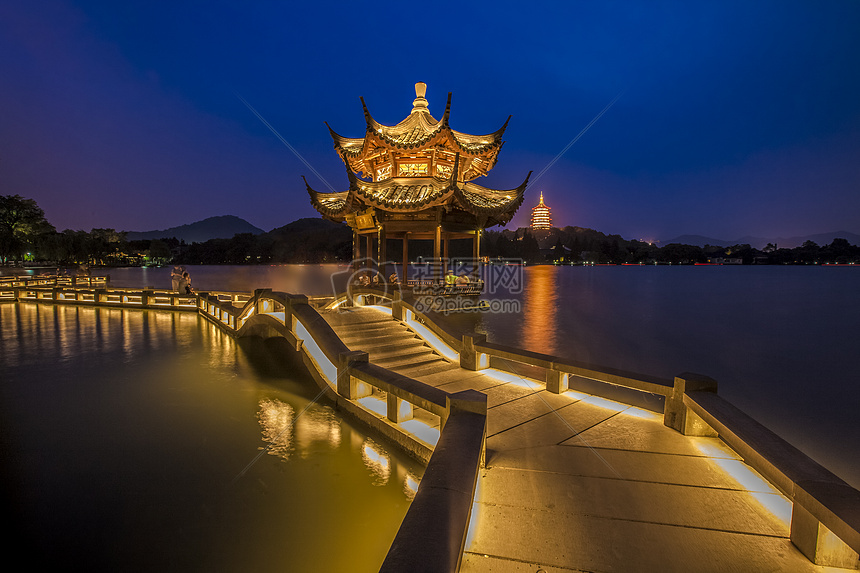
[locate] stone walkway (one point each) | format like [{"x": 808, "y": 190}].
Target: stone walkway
[{"x": 578, "y": 483}]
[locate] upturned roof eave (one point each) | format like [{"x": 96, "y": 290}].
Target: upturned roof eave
[
  {"x": 382, "y": 135},
  {"x": 330, "y": 205},
  {"x": 503, "y": 210}
]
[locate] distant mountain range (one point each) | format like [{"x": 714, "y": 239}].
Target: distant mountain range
[
  {"x": 223, "y": 227},
  {"x": 226, "y": 226},
  {"x": 820, "y": 239}
]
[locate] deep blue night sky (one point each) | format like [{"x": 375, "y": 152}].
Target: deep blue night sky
[{"x": 735, "y": 118}]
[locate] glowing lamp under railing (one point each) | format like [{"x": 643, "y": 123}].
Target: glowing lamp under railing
[
  {"x": 421, "y": 430},
  {"x": 374, "y": 404},
  {"x": 759, "y": 488}
]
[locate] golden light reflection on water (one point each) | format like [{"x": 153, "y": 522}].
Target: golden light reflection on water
[
  {"x": 190, "y": 406},
  {"x": 318, "y": 426},
  {"x": 70, "y": 331},
  {"x": 410, "y": 485},
  {"x": 289, "y": 433},
  {"x": 212, "y": 336},
  {"x": 276, "y": 421},
  {"x": 540, "y": 308},
  {"x": 377, "y": 461},
  {"x": 286, "y": 434}
]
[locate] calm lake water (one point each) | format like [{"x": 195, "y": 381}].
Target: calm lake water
[
  {"x": 150, "y": 441},
  {"x": 782, "y": 341},
  {"x": 126, "y": 430}
]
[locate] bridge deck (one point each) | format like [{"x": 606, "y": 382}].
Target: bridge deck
[{"x": 577, "y": 483}]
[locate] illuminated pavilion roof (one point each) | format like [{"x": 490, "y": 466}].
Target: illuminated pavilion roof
[{"x": 419, "y": 164}]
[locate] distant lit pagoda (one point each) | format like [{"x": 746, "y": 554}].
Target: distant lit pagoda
[{"x": 541, "y": 217}]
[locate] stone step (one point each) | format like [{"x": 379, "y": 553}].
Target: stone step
[
  {"x": 358, "y": 321},
  {"x": 364, "y": 341},
  {"x": 352, "y": 325},
  {"x": 401, "y": 355},
  {"x": 401, "y": 365},
  {"x": 425, "y": 369},
  {"x": 409, "y": 343},
  {"x": 370, "y": 332}
]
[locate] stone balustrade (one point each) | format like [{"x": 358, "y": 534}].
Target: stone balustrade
[
  {"x": 52, "y": 280},
  {"x": 131, "y": 298}
]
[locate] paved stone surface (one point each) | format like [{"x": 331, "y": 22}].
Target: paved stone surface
[{"x": 577, "y": 483}]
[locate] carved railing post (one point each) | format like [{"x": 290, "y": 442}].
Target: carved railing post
[
  {"x": 347, "y": 386},
  {"x": 398, "y": 410},
  {"x": 292, "y": 300},
  {"x": 557, "y": 382},
  {"x": 397, "y": 305},
  {"x": 470, "y": 358},
  {"x": 677, "y": 415}
]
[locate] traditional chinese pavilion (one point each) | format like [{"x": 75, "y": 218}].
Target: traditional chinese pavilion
[{"x": 415, "y": 180}]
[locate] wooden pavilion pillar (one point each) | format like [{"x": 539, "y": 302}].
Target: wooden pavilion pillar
[
  {"x": 437, "y": 256},
  {"x": 405, "y": 271},
  {"x": 356, "y": 249},
  {"x": 380, "y": 254},
  {"x": 368, "y": 240},
  {"x": 446, "y": 260},
  {"x": 476, "y": 254}
]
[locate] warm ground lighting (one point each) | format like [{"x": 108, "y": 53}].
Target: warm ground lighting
[{"x": 764, "y": 493}]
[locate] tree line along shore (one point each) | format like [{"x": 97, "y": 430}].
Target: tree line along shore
[{"x": 27, "y": 238}]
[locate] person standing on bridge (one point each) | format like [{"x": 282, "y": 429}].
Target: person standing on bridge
[
  {"x": 185, "y": 283},
  {"x": 176, "y": 277}
]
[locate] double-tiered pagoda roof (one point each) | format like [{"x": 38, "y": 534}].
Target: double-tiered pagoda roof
[{"x": 418, "y": 165}]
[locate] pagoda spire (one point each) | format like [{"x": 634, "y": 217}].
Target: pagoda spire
[{"x": 419, "y": 104}]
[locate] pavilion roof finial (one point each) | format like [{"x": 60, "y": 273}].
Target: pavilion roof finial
[{"x": 420, "y": 102}]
